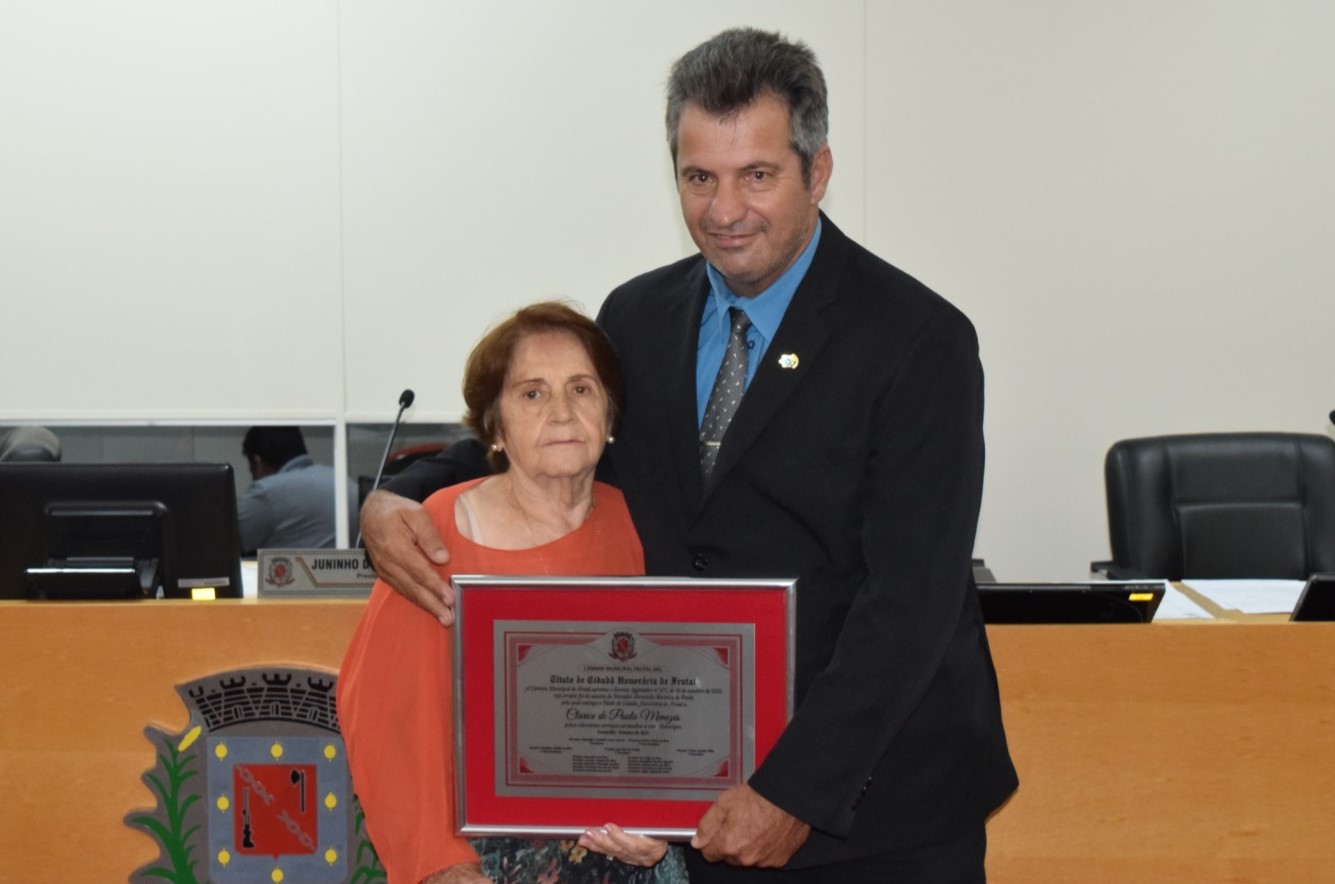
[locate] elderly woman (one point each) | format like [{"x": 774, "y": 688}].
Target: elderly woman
[{"x": 543, "y": 391}]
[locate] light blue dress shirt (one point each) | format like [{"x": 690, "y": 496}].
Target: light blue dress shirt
[{"x": 765, "y": 311}]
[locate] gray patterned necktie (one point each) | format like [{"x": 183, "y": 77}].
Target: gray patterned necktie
[{"x": 727, "y": 393}]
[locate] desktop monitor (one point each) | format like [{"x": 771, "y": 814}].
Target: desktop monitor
[
  {"x": 1317, "y": 601},
  {"x": 1092, "y": 602},
  {"x": 110, "y": 531}
]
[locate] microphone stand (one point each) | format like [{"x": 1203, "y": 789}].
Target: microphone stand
[{"x": 405, "y": 400}]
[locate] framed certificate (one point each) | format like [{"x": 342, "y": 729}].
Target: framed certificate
[{"x": 580, "y": 701}]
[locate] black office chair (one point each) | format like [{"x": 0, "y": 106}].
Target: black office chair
[
  {"x": 397, "y": 461},
  {"x": 29, "y": 444},
  {"x": 1220, "y": 505}
]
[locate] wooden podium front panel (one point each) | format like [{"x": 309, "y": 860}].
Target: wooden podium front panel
[
  {"x": 1167, "y": 753},
  {"x": 83, "y": 680},
  {"x": 1160, "y": 753}
]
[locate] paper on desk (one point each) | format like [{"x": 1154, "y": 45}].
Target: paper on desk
[
  {"x": 250, "y": 579},
  {"x": 1177, "y": 605},
  {"x": 1251, "y": 596}
]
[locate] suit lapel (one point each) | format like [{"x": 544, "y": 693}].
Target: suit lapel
[
  {"x": 683, "y": 425},
  {"x": 803, "y": 334}
]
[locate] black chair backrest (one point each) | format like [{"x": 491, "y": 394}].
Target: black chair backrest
[
  {"x": 1220, "y": 505},
  {"x": 29, "y": 444}
]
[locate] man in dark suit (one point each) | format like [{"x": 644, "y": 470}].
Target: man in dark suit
[{"x": 854, "y": 461}]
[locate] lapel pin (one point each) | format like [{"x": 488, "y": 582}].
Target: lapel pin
[{"x": 788, "y": 360}]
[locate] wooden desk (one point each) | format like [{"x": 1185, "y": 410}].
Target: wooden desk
[
  {"x": 1161, "y": 753},
  {"x": 1191, "y": 752}
]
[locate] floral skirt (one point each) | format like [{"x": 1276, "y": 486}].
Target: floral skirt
[{"x": 522, "y": 861}]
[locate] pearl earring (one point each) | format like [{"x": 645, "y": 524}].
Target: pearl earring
[{"x": 611, "y": 439}]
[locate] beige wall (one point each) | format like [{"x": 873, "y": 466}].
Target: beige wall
[
  {"x": 1135, "y": 203},
  {"x": 244, "y": 211}
]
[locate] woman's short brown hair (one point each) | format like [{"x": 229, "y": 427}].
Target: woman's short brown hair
[{"x": 484, "y": 376}]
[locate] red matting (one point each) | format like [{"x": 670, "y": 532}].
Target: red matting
[{"x": 767, "y": 605}]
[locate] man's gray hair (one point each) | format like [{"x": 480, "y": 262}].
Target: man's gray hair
[{"x": 725, "y": 74}]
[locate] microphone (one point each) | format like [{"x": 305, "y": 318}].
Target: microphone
[{"x": 405, "y": 401}]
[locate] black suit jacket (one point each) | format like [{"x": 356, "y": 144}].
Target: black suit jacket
[{"x": 859, "y": 472}]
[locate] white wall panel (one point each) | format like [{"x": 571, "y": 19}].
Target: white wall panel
[
  {"x": 500, "y": 153},
  {"x": 291, "y": 211},
  {"x": 169, "y": 242},
  {"x": 1135, "y": 202}
]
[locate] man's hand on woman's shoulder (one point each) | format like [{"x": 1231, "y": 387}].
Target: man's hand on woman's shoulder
[{"x": 405, "y": 547}]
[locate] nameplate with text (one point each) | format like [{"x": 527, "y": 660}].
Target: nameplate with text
[{"x": 314, "y": 572}]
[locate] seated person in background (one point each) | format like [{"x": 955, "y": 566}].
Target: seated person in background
[
  {"x": 290, "y": 503},
  {"x": 544, "y": 391}
]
